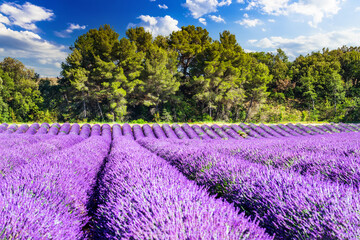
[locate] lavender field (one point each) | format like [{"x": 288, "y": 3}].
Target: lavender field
[{"x": 239, "y": 181}]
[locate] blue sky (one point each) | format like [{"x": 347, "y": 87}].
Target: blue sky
[{"x": 39, "y": 32}]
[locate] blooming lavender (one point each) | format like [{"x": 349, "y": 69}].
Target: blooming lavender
[
  {"x": 180, "y": 133},
  {"x": 143, "y": 197},
  {"x": 64, "y": 129},
  {"x": 210, "y": 132},
  {"x": 138, "y": 132},
  {"x": 75, "y": 129},
  {"x": 287, "y": 204},
  {"x": 44, "y": 128},
  {"x": 148, "y": 132},
  {"x": 309, "y": 129},
  {"x": 116, "y": 131},
  {"x": 283, "y": 130},
  {"x": 231, "y": 133},
  {"x": 95, "y": 130},
  {"x": 25, "y": 153},
  {"x": 259, "y": 130},
  {"x": 54, "y": 129},
  {"x": 169, "y": 132},
  {"x": 33, "y": 129},
  {"x": 47, "y": 198},
  {"x": 190, "y": 131},
  {"x": 245, "y": 131},
  {"x": 11, "y": 129},
  {"x": 127, "y": 131},
  {"x": 158, "y": 131},
  {"x": 85, "y": 130},
  {"x": 106, "y": 132},
  {"x": 200, "y": 132},
  {"x": 219, "y": 131},
  {"x": 3, "y": 127},
  {"x": 271, "y": 131},
  {"x": 22, "y": 129}
]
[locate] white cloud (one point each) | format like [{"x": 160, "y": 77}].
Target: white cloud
[
  {"x": 249, "y": 22},
  {"x": 199, "y": 8},
  {"x": 157, "y": 25},
  {"x": 4, "y": 19},
  {"x": 224, "y": 3},
  {"x": 240, "y": 1},
  {"x": 29, "y": 45},
  {"x": 163, "y": 6},
  {"x": 271, "y": 20},
  {"x": 66, "y": 33},
  {"x": 217, "y": 19},
  {"x": 246, "y": 15},
  {"x": 357, "y": 9},
  {"x": 73, "y": 27},
  {"x": 306, "y": 44},
  {"x": 202, "y": 20},
  {"x": 316, "y": 9},
  {"x": 25, "y": 15}
]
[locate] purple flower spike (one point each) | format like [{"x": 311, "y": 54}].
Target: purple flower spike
[
  {"x": 127, "y": 131},
  {"x": 75, "y": 129},
  {"x": 116, "y": 131},
  {"x": 138, "y": 132},
  {"x": 148, "y": 132}
]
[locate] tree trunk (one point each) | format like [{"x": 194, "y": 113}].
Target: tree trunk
[
  {"x": 248, "y": 111},
  {"x": 102, "y": 116},
  {"x": 84, "y": 105}
]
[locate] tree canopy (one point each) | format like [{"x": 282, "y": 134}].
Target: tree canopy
[{"x": 186, "y": 76}]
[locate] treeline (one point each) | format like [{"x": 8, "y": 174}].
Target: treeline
[{"x": 185, "y": 76}]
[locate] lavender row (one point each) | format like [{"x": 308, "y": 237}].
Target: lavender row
[
  {"x": 48, "y": 198},
  {"x": 334, "y": 158},
  {"x": 143, "y": 197},
  {"x": 25, "y": 153},
  {"x": 225, "y": 132},
  {"x": 287, "y": 204}
]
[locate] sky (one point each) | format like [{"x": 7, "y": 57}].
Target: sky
[{"x": 40, "y": 32}]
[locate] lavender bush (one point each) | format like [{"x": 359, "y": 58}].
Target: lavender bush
[{"x": 143, "y": 197}]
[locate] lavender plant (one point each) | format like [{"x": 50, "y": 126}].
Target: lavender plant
[
  {"x": 47, "y": 199},
  {"x": 287, "y": 204},
  {"x": 180, "y": 133},
  {"x": 143, "y": 197},
  {"x": 138, "y": 132},
  {"x": 192, "y": 134}
]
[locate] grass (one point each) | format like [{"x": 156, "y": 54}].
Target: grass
[{"x": 179, "y": 123}]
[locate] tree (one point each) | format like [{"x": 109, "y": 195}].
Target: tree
[
  {"x": 20, "y": 90},
  {"x": 218, "y": 76},
  {"x": 188, "y": 42},
  {"x": 256, "y": 86},
  {"x": 94, "y": 80},
  {"x": 160, "y": 83}
]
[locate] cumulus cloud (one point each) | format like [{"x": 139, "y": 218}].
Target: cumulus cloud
[
  {"x": 217, "y": 19},
  {"x": 4, "y": 19},
  {"x": 271, "y": 20},
  {"x": 157, "y": 25},
  {"x": 66, "y": 33},
  {"x": 247, "y": 22},
  {"x": 29, "y": 45},
  {"x": 199, "y": 8},
  {"x": 202, "y": 20},
  {"x": 315, "y": 9},
  {"x": 305, "y": 44},
  {"x": 25, "y": 15},
  {"x": 163, "y": 6},
  {"x": 357, "y": 9}
]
